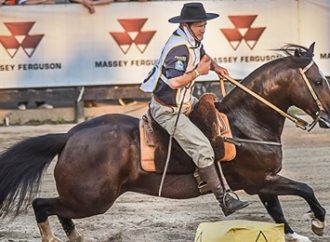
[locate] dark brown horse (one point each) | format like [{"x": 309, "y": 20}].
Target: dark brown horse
[{"x": 98, "y": 160}]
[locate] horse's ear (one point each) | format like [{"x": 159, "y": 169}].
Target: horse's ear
[
  {"x": 297, "y": 53},
  {"x": 310, "y": 51}
]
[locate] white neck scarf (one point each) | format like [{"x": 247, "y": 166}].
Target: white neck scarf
[{"x": 185, "y": 33}]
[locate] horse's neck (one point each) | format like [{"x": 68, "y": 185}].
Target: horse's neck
[{"x": 251, "y": 118}]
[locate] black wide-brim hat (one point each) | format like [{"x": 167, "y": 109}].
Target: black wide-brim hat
[{"x": 193, "y": 12}]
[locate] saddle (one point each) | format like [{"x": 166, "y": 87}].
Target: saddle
[
  {"x": 153, "y": 151},
  {"x": 147, "y": 143}
]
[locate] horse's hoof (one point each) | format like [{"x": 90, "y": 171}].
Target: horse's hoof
[
  {"x": 76, "y": 237},
  {"x": 296, "y": 238},
  {"x": 54, "y": 239},
  {"x": 83, "y": 239},
  {"x": 318, "y": 227},
  {"x": 79, "y": 239}
]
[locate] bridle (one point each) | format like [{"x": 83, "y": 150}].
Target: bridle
[
  {"x": 300, "y": 123},
  {"x": 310, "y": 126}
]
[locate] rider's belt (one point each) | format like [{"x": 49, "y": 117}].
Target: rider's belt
[{"x": 161, "y": 102}]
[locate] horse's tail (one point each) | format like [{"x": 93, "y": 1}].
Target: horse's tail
[{"x": 21, "y": 168}]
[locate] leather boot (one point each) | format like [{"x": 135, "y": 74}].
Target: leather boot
[{"x": 227, "y": 203}]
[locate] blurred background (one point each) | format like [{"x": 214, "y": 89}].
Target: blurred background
[{"x": 66, "y": 61}]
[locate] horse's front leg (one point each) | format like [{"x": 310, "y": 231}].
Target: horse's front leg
[
  {"x": 278, "y": 185},
  {"x": 273, "y": 206}
]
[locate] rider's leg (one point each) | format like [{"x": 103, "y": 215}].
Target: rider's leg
[
  {"x": 227, "y": 203},
  {"x": 198, "y": 147}
]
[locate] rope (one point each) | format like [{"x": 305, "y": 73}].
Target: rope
[{"x": 169, "y": 149}]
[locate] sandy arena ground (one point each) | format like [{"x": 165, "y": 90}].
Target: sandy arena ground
[{"x": 136, "y": 217}]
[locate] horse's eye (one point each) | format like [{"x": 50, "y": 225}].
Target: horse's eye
[{"x": 318, "y": 82}]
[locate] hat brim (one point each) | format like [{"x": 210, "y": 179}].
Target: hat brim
[{"x": 177, "y": 19}]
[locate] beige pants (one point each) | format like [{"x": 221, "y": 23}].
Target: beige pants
[{"x": 189, "y": 137}]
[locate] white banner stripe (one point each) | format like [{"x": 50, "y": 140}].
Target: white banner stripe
[{"x": 62, "y": 45}]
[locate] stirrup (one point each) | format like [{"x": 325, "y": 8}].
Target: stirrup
[
  {"x": 229, "y": 208},
  {"x": 228, "y": 192}
]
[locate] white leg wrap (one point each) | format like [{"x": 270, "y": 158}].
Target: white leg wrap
[
  {"x": 46, "y": 232},
  {"x": 296, "y": 238},
  {"x": 75, "y": 236}
]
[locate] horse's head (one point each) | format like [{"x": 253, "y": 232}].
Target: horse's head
[{"x": 310, "y": 90}]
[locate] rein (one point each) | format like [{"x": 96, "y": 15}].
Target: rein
[
  {"x": 300, "y": 123},
  {"x": 169, "y": 149},
  {"x": 239, "y": 141}
]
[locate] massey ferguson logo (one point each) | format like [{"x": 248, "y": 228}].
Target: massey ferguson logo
[
  {"x": 20, "y": 37},
  {"x": 133, "y": 34},
  {"x": 243, "y": 31}
]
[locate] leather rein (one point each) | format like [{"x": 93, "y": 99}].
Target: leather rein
[{"x": 300, "y": 123}]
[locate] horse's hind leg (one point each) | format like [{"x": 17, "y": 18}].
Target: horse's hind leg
[
  {"x": 42, "y": 208},
  {"x": 70, "y": 230},
  {"x": 45, "y": 207}
]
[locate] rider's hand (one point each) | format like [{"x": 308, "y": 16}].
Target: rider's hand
[
  {"x": 222, "y": 72},
  {"x": 204, "y": 65}
]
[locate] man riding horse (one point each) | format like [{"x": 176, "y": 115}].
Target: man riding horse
[{"x": 182, "y": 60}]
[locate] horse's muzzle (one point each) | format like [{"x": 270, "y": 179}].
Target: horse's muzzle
[{"x": 324, "y": 121}]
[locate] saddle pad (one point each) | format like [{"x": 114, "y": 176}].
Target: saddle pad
[
  {"x": 148, "y": 130},
  {"x": 225, "y": 131},
  {"x": 146, "y": 151},
  {"x": 240, "y": 230}
]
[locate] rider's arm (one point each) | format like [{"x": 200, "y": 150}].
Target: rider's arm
[
  {"x": 183, "y": 80},
  {"x": 176, "y": 64}
]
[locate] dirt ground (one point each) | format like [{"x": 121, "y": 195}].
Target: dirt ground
[{"x": 136, "y": 217}]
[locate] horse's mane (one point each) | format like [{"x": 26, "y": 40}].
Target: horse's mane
[
  {"x": 295, "y": 56},
  {"x": 295, "y": 50}
]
